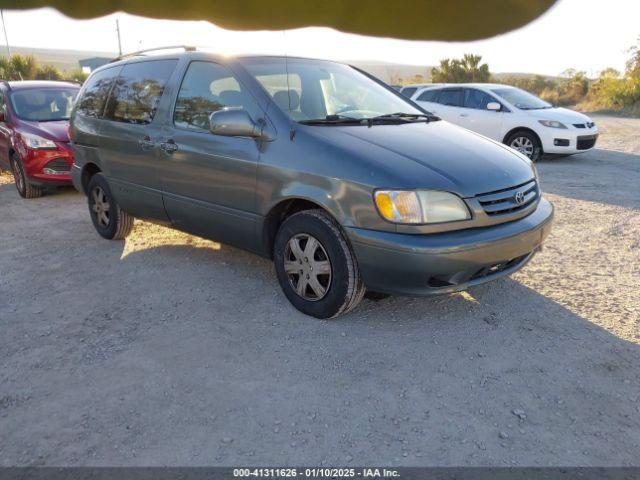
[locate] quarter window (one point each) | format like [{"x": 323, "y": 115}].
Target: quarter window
[
  {"x": 430, "y": 95},
  {"x": 137, "y": 91},
  {"x": 206, "y": 88},
  {"x": 95, "y": 92},
  {"x": 451, "y": 97}
]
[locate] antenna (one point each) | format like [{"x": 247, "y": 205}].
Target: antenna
[
  {"x": 286, "y": 66},
  {"x": 4, "y": 28},
  {"x": 119, "y": 41}
]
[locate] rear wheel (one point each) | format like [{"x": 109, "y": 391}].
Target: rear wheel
[
  {"x": 526, "y": 143},
  {"x": 109, "y": 220},
  {"x": 315, "y": 266},
  {"x": 25, "y": 189}
]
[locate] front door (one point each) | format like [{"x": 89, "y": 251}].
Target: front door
[
  {"x": 209, "y": 180},
  {"x": 5, "y": 134},
  {"x": 129, "y": 137},
  {"x": 477, "y": 118}
]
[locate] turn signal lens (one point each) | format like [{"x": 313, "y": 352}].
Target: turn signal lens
[
  {"x": 399, "y": 206},
  {"x": 419, "y": 207}
]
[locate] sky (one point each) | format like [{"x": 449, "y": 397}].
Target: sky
[{"x": 587, "y": 35}]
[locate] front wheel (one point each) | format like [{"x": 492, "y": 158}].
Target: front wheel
[
  {"x": 526, "y": 143},
  {"x": 25, "y": 189},
  {"x": 109, "y": 220},
  {"x": 315, "y": 266}
]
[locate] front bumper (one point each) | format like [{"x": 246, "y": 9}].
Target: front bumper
[
  {"x": 406, "y": 264},
  {"x": 568, "y": 140},
  {"x": 48, "y": 167}
]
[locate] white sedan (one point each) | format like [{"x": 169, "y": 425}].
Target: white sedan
[{"x": 511, "y": 116}]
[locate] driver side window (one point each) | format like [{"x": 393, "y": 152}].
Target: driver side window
[{"x": 206, "y": 88}]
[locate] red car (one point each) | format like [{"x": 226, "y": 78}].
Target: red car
[{"x": 34, "y": 138}]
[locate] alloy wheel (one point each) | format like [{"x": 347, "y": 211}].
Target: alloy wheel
[
  {"x": 524, "y": 145},
  {"x": 17, "y": 175},
  {"x": 100, "y": 206},
  {"x": 307, "y": 265}
]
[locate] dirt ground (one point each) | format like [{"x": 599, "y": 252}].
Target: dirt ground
[{"x": 171, "y": 350}]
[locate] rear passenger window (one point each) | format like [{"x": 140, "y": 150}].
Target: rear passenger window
[
  {"x": 206, "y": 88},
  {"x": 430, "y": 95},
  {"x": 95, "y": 92},
  {"x": 137, "y": 91},
  {"x": 407, "y": 92},
  {"x": 452, "y": 97},
  {"x": 477, "y": 99}
]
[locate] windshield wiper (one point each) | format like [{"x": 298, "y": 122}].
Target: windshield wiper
[
  {"x": 333, "y": 120},
  {"x": 401, "y": 117}
]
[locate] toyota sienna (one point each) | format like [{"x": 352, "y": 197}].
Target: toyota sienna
[{"x": 346, "y": 184}]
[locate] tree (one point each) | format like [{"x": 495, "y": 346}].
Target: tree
[
  {"x": 76, "y": 76},
  {"x": 48, "y": 72},
  {"x": 18, "y": 67},
  {"x": 467, "y": 69}
]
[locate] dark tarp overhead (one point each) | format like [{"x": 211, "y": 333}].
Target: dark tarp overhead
[{"x": 453, "y": 20}]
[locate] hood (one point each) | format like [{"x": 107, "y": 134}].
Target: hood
[
  {"x": 563, "y": 115},
  {"x": 57, "y": 131},
  {"x": 435, "y": 155}
]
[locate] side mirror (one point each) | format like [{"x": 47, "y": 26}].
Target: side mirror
[
  {"x": 494, "y": 106},
  {"x": 234, "y": 122}
]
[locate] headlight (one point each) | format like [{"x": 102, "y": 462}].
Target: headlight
[
  {"x": 422, "y": 206},
  {"x": 35, "y": 141},
  {"x": 552, "y": 123}
]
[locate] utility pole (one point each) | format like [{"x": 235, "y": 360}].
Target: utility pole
[
  {"x": 6, "y": 37},
  {"x": 119, "y": 42}
]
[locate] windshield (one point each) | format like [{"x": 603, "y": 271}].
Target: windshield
[
  {"x": 315, "y": 89},
  {"x": 43, "y": 105},
  {"x": 521, "y": 99}
]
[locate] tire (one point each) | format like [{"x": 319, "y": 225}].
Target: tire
[
  {"x": 109, "y": 220},
  {"x": 25, "y": 189},
  {"x": 526, "y": 143},
  {"x": 332, "y": 255}
]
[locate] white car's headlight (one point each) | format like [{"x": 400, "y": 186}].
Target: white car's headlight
[
  {"x": 35, "y": 141},
  {"x": 421, "y": 206},
  {"x": 552, "y": 123}
]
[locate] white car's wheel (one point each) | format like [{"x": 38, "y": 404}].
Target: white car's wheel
[{"x": 526, "y": 143}]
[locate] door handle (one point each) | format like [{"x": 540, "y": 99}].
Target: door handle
[
  {"x": 464, "y": 114},
  {"x": 169, "y": 146},
  {"x": 145, "y": 143}
]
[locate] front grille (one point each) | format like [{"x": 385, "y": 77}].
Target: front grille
[
  {"x": 579, "y": 125},
  {"x": 586, "y": 142},
  {"x": 584, "y": 125},
  {"x": 58, "y": 165},
  {"x": 509, "y": 200}
]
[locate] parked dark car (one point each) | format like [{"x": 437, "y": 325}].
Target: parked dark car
[
  {"x": 34, "y": 139},
  {"x": 343, "y": 182}
]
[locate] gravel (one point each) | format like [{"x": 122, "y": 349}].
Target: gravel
[{"x": 168, "y": 349}]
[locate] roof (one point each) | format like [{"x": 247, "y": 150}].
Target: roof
[
  {"x": 27, "y": 84},
  {"x": 477, "y": 85}
]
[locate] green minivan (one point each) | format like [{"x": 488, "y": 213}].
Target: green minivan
[{"x": 347, "y": 185}]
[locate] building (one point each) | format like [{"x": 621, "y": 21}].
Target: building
[{"x": 88, "y": 65}]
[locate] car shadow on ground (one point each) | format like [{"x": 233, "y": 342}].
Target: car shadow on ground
[
  {"x": 198, "y": 354},
  {"x": 590, "y": 176}
]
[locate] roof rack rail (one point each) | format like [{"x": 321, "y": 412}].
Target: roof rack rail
[
  {"x": 186, "y": 48},
  {"x": 6, "y": 84}
]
